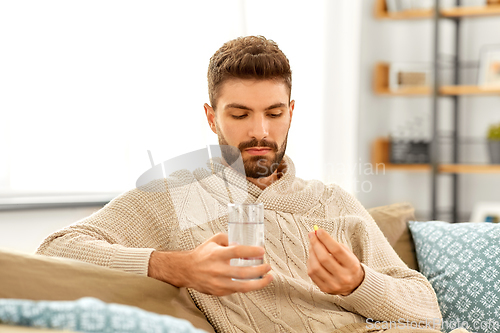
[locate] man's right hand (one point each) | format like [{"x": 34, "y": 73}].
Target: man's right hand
[{"x": 207, "y": 269}]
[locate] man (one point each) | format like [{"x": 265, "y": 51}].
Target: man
[{"x": 312, "y": 282}]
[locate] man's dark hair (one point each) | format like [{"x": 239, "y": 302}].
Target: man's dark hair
[{"x": 250, "y": 57}]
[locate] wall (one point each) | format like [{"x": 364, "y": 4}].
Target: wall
[
  {"x": 24, "y": 230},
  {"x": 411, "y": 41}
]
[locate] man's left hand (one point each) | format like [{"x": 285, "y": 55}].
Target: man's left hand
[{"x": 333, "y": 266}]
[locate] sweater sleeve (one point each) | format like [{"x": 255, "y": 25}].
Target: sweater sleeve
[
  {"x": 390, "y": 290},
  {"x": 121, "y": 235}
]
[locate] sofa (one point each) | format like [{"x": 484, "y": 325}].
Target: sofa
[{"x": 31, "y": 277}]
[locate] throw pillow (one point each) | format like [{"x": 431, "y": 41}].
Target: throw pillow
[{"x": 462, "y": 263}]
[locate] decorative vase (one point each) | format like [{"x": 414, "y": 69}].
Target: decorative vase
[{"x": 494, "y": 149}]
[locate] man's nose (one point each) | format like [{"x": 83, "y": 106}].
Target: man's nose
[{"x": 260, "y": 127}]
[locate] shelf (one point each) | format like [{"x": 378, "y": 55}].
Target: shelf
[
  {"x": 404, "y": 91},
  {"x": 443, "y": 168},
  {"x": 407, "y": 167},
  {"x": 382, "y": 13},
  {"x": 381, "y": 86},
  {"x": 490, "y": 10},
  {"x": 469, "y": 168},
  {"x": 468, "y": 90},
  {"x": 444, "y": 90},
  {"x": 380, "y": 161}
]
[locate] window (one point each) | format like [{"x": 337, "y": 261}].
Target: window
[{"x": 86, "y": 88}]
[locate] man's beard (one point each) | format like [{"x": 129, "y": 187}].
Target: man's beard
[{"x": 257, "y": 166}]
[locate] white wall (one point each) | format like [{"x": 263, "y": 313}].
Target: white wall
[
  {"x": 24, "y": 230},
  {"x": 411, "y": 41}
]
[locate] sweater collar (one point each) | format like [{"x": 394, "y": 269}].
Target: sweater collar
[{"x": 288, "y": 194}]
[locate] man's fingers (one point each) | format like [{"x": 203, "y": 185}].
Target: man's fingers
[
  {"x": 220, "y": 238},
  {"x": 340, "y": 253},
  {"x": 246, "y": 286},
  {"x": 326, "y": 260},
  {"x": 242, "y": 251},
  {"x": 251, "y": 272},
  {"x": 322, "y": 285},
  {"x": 318, "y": 274},
  {"x": 323, "y": 269}
]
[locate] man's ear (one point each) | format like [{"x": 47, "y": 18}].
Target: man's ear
[
  {"x": 292, "y": 106},
  {"x": 210, "y": 113}
]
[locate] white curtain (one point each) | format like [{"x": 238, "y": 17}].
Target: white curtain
[
  {"x": 341, "y": 163},
  {"x": 87, "y": 87}
]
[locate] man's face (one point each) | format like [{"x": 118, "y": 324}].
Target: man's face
[{"x": 254, "y": 116}]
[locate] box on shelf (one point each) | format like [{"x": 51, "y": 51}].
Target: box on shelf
[
  {"x": 405, "y": 75},
  {"x": 403, "y": 151}
]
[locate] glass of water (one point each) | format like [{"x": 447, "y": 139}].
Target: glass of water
[{"x": 246, "y": 227}]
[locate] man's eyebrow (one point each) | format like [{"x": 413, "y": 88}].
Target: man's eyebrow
[
  {"x": 237, "y": 106},
  {"x": 243, "y": 107},
  {"x": 275, "y": 106}
]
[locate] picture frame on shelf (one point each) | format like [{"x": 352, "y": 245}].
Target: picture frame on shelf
[
  {"x": 489, "y": 66},
  {"x": 422, "y": 4},
  {"x": 405, "y": 4},
  {"x": 409, "y": 75},
  {"x": 394, "y": 6},
  {"x": 486, "y": 212},
  {"x": 446, "y": 4},
  {"x": 473, "y": 3}
]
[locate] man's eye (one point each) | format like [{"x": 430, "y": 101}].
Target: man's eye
[
  {"x": 239, "y": 117},
  {"x": 274, "y": 115}
]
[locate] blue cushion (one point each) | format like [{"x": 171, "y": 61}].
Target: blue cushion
[
  {"x": 462, "y": 263},
  {"x": 89, "y": 315}
]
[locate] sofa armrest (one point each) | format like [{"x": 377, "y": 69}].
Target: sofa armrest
[
  {"x": 37, "y": 277},
  {"x": 393, "y": 222}
]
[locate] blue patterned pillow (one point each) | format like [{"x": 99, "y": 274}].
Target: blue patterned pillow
[
  {"x": 462, "y": 263},
  {"x": 89, "y": 315}
]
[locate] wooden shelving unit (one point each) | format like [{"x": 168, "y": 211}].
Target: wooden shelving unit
[
  {"x": 382, "y": 13},
  {"x": 381, "y": 161},
  {"x": 381, "y": 147},
  {"x": 381, "y": 86}
]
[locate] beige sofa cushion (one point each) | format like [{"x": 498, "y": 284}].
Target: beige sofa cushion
[
  {"x": 393, "y": 221},
  {"x": 405, "y": 248},
  {"x": 37, "y": 277}
]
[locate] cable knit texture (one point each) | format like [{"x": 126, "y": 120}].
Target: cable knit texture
[{"x": 123, "y": 234}]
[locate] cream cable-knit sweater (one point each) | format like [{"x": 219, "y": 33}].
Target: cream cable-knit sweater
[{"x": 123, "y": 234}]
